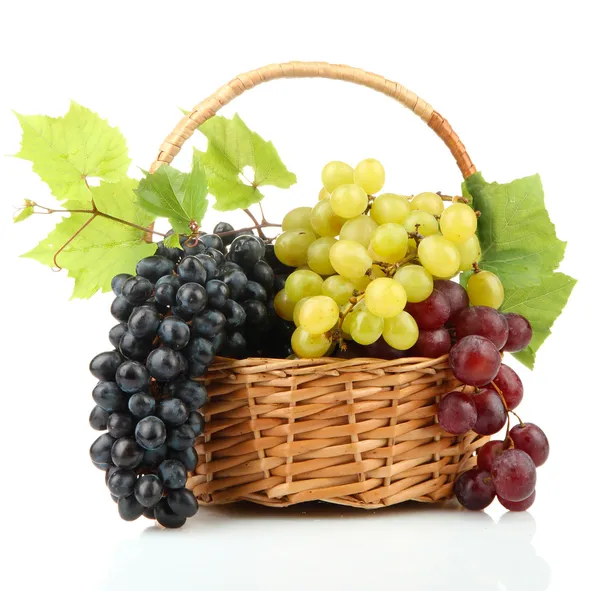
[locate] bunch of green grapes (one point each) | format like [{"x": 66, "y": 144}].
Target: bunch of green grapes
[{"x": 362, "y": 256}]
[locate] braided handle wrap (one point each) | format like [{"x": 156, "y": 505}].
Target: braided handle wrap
[{"x": 209, "y": 107}]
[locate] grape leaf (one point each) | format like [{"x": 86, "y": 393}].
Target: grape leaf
[
  {"x": 231, "y": 148},
  {"x": 104, "y": 247},
  {"x": 67, "y": 150},
  {"x": 178, "y": 196},
  {"x": 541, "y": 304},
  {"x": 518, "y": 240},
  {"x": 26, "y": 212},
  {"x": 172, "y": 241}
]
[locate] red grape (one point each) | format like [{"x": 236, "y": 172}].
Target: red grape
[
  {"x": 532, "y": 440},
  {"x": 432, "y": 312},
  {"x": 379, "y": 350},
  {"x": 509, "y": 383},
  {"x": 518, "y": 505},
  {"x": 485, "y": 322},
  {"x": 519, "y": 332},
  {"x": 488, "y": 453},
  {"x": 513, "y": 474},
  {"x": 432, "y": 343},
  {"x": 475, "y": 360},
  {"x": 491, "y": 414},
  {"x": 474, "y": 489},
  {"x": 455, "y": 293},
  {"x": 457, "y": 413}
]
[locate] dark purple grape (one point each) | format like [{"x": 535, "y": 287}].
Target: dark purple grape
[
  {"x": 166, "y": 516},
  {"x": 150, "y": 433},
  {"x": 378, "y": 350},
  {"x": 132, "y": 377},
  {"x": 432, "y": 312},
  {"x": 134, "y": 348},
  {"x": 196, "y": 422},
  {"x": 217, "y": 293},
  {"x": 115, "y": 334},
  {"x": 172, "y": 474},
  {"x": 208, "y": 323},
  {"x": 191, "y": 245},
  {"x": 196, "y": 369},
  {"x": 455, "y": 294},
  {"x": 246, "y": 251},
  {"x": 263, "y": 274},
  {"x": 181, "y": 437},
  {"x": 256, "y": 314},
  {"x": 519, "y": 332},
  {"x": 235, "y": 347},
  {"x": 109, "y": 396},
  {"x": 183, "y": 502},
  {"x": 190, "y": 270},
  {"x": 101, "y": 448},
  {"x": 192, "y": 297},
  {"x": 514, "y": 476},
  {"x": 143, "y": 322},
  {"x": 210, "y": 266},
  {"x": 223, "y": 227},
  {"x": 182, "y": 313},
  {"x": 475, "y": 360},
  {"x": 154, "y": 267},
  {"x": 518, "y": 505},
  {"x": 482, "y": 321},
  {"x": 532, "y": 440},
  {"x": 432, "y": 343},
  {"x": 212, "y": 241},
  {"x": 129, "y": 508},
  {"x": 188, "y": 457},
  {"x": 99, "y": 418},
  {"x": 120, "y": 424},
  {"x": 509, "y": 383},
  {"x": 491, "y": 414},
  {"x": 474, "y": 489},
  {"x": 236, "y": 281},
  {"x": 255, "y": 291},
  {"x": 136, "y": 290},
  {"x": 199, "y": 350},
  {"x": 166, "y": 288},
  {"x": 121, "y": 308},
  {"x": 457, "y": 413},
  {"x": 488, "y": 453},
  {"x": 126, "y": 453},
  {"x": 104, "y": 365},
  {"x": 171, "y": 253},
  {"x": 216, "y": 255},
  {"x": 153, "y": 458},
  {"x": 174, "y": 333},
  {"x": 163, "y": 364},
  {"x": 118, "y": 281},
  {"x": 192, "y": 394},
  {"x": 235, "y": 314},
  {"x": 172, "y": 411},
  {"x": 141, "y": 405},
  {"x": 121, "y": 482},
  {"x": 148, "y": 490}
]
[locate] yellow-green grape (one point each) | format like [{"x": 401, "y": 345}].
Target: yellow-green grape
[
  {"x": 390, "y": 241},
  {"x": 348, "y": 321},
  {"x": 439, "y": 256},
  {"x": 390, "y": 208},
  {"x": 401, "y": 331},
  {"x": 291, "y": 247},
  {"x": 324, "y": 194},
  {"x": 365, "y": 327},
  {"x": 283, "y": 305},
  {"x": 470, "y": 252},
  {"x": 309, "y": 345},
  {"x": 417, "y": 282},
  {"x": 319, "y": 314},
  {"x": 348, "y": 201},
  {"x": 377, "y": 257},
  {"x": 376, "y": 272},
  {"x": 360, "y": 283},
  {"x": 318, "y": 255},
  {"x": 428, "y": 225},
  {"x": 297, "y": 309},
  {"x": 349, "y": 259},
  {"x": 323, "y": 221},
  {"x": 370, "y": 175},
  {"x": 485, "y": 289},
  {"x": 301, "y": 284},
  {"x": 338, "y": 288},
  {"x": 297, "y": 219},
  {"x": 359, "y": 229},
  {"x": 385, "y": 297},
  {"x": 335, "y": 174},
  {"x": 429, "y": 202},
  {"x": 458, "y": 222}
]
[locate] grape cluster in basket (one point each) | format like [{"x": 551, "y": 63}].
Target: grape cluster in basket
[{"x": 183, "y": 306}]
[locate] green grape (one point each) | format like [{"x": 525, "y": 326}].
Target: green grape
[
  {"x": 429, "y": 202},
  {"x": 417, "y": 282},
  {"x": 297, "y": 309},
  {"x": 390, "y": 208},
  {"x": 401, "y": 331},
  {"x": 428, "y": 225},
  {"x": 319, "y": 315},
  {"x": 376, "y": 272},
  {"x": 390, "y": 242},
  {"x": 324, "y": 194},
  {"x": 348, "y": 321},
  {"x": 360, "y": 283},
  {"x": 349, "y": 259},
  {"x": 323, "y": 221},
  {"x": 458, "y": 222},
  {"x": 297, "y": 219},
  {"x": 359, "y": 229},
  {"x": 348, "y": 201},
  {"x": 365, "y": 327},
  {"x": 470, "y": 252},
  {"x": 338, "y": 288},
  {"x": 318, "y": 255},
  {"x": 385, "y": 297},
  {"x": 335, "y": 174},
  {"x": 370, "y": 175},
  {"x": 291, "y": 247},
  {"x": 301, "y": 284},
  {"x": 439, "y": 256},
  {"x": 309, "y": 345},
  {"x": 485, "y": 289},
  {"x": 283, "y": 305}
]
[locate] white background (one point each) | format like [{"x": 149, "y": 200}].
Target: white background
[{"x": 517, "y": 80}]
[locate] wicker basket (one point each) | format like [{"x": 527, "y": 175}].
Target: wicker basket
[{"x": 360, "y": 432}]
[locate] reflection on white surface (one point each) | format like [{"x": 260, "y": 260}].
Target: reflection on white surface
[{"x": 329, "y": 547}]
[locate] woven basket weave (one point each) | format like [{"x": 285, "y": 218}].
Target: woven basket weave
[{"x": 360, "y": 432}]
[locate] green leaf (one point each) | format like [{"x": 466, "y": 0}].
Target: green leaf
[
  {"x": 541, "y": 304},
  {"x": 178, "y": 196},
  {"x": 23, "y": 214},
  {"x": 232, "y": 147},
  {"x": 104, "y": 247},
  {"x": 67, "y": 150},
  {"x": 172, "y": 241},
  {"x": 518, "y": 240}
]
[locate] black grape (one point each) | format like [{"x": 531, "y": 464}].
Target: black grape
[
  {"x": 121, "y": 308},
  {"x": 100, "y": 450},
  {"x": 196, "y": 422},
  {"x": 143, "y": 322},
  {"x": 208, "y": 323},
  {"x": 200, "y": 350},
  {"x": 126, "y": 453},
  {"x": 192, "y": 394},
  {"x": 115, "y": 334},
  {"x": 163, "y": 364},
  {"x": 172, "y": 474},
  {"x": 134, "y": 348},
  {"x": 132, "y": 377},
  {"x": 190, "y": 270},
  {"x": 212, "y": 241},
  {"x": 150, "y": 433},
  {"x": 104, "y": 365},
  {"x": 148, "y": 490},
  {"x": 129, "y": 508},
  {"x": 192, "y": 297},
  {"x": 141, "y": 405},
  {"x": 217, "y": 293},
  {"x": 120, "y": 424},
  {"x": 137, "y": 290},
  {"x": 236, "y": 281},
  {"x": 188, "y": 457},
  {"x": 99, "y": 418},
  {"x": 154, "y": 267},
  {"x": 246, "y": 251},
  {"x": 235, "y": 314},
  {"x": 166, "y": 517},
  {"x": 109, "y": 396},
  {"x": 255, "y": 291},
  {"x": 117, "y": 282},
  {"x": 172, "y": 411},
  {"x": 223, "y": 227},
  {"x": 121, "y": 482},
  {"x": 174, "y": 333},
  {"x": 183, "y": 502}
]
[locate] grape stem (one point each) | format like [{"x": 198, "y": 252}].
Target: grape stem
[
  {"x": 256, "y": 223},
  {"x": 455, "y": 199},
  {"x": 336, "y": 332},
  {"x": 390, "y": 268}
]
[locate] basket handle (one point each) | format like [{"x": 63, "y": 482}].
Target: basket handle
[{"x": 209, "y": 107}]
